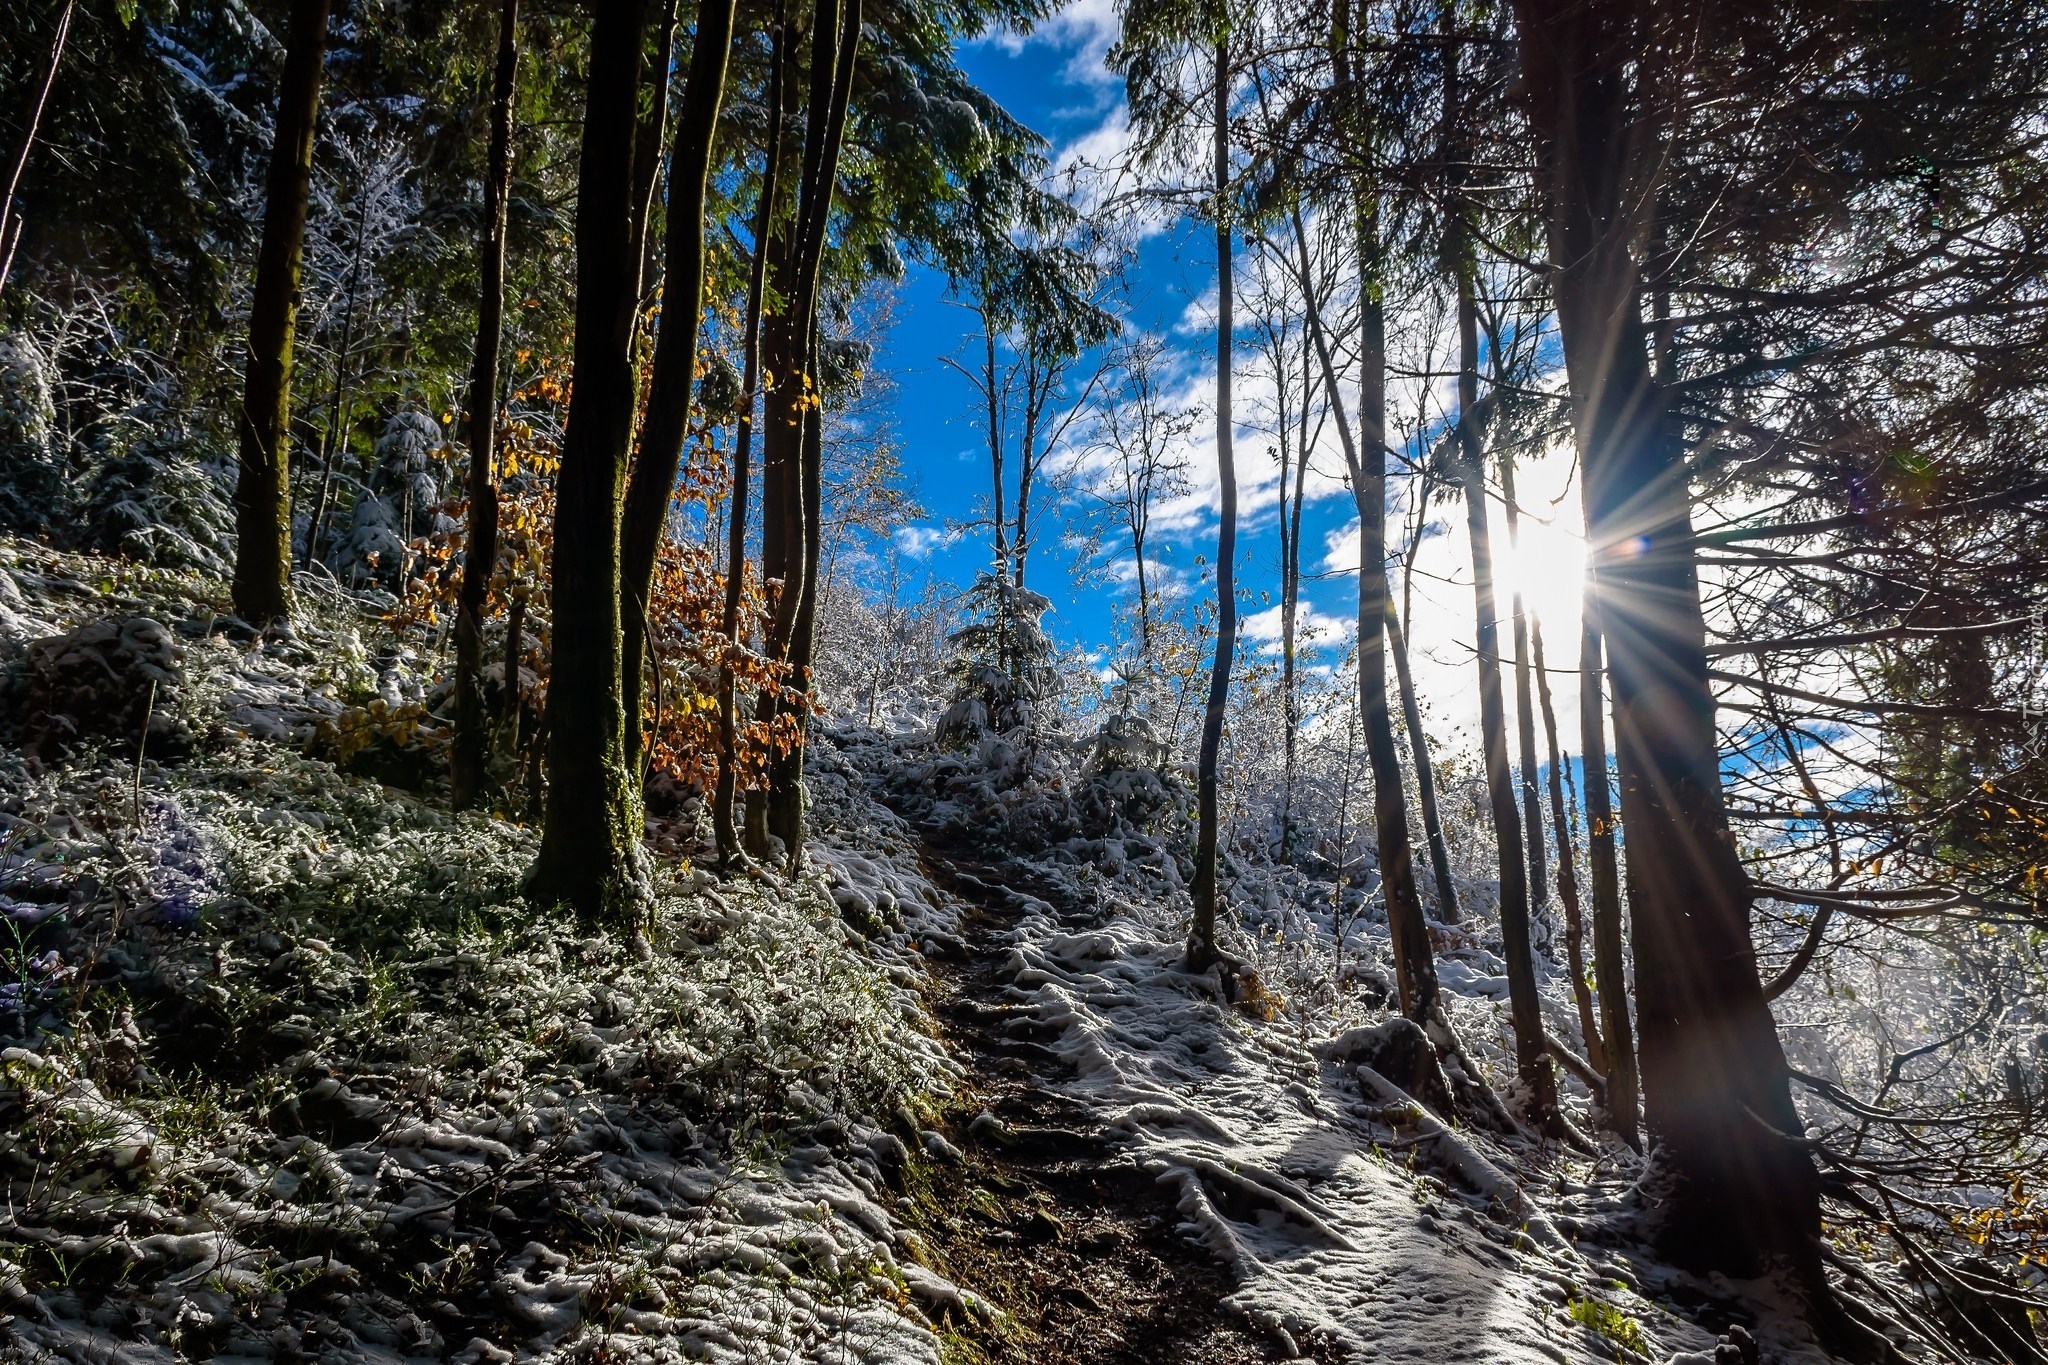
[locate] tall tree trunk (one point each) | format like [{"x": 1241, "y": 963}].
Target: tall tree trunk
[
  {"x": 786, "y": 798},
  {"x": 1610, "y": 970},
  {"x": 1415, "y": 962},
  {"x": 1290, "y": 607},
  {"x": 263, "y": 497},
  {"x": 1716, "y": 1092},
  {"x": 10, "y": 226},
  {"x": 786, "y": 806},
  {"x": 992, "y": 398},
  {"x": 647, "y": 144},
  {"x": 666, "y": 423},
  {"x": 1525, "y": 1008},
  {"x": 1365, "y": 459},
  {"x": 1532, "y": 1061},
  {"x": 1425, "y": 773},
  {"x": 1201, "y": 951},
  {"x": 1525, "y": 721},
  {"x": 590, "y": 854},
  {"x": 722, "y": 824},
  {"x": 783, "y": 335},
  {"x": 480, "y": 553},
  {"x": 1144, "y": 599},
  {"x": 1567, "y": 864},
  {"x": 1020, "y": 539},
  {"x": 991, "y": 392},
  {"x": 782, "y": 547},
  {"x": 779, "y": 426}
]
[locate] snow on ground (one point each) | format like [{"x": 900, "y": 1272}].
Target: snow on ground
[
  {"x": 1292, "y": 1174},
  {"x": 1351, "y": 1218},
  {"x": 337, "y": 1092}
]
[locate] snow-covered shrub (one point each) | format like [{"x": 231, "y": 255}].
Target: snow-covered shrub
[
  {"x": 1005, "y": 666},
  {"x": 411, "y": 456},
  {"x": 1134, "y": 796},
  {"x": 1126, "y": 741},
  {"x": 882, "y": 656},
  {"x": 843, "y": 366},
  {"x": 375, "y": 544},
  {"x": 320, "y": 1007},
  {"x": 31, "y": 461},
  {"x": 164, "y": 496},
  {"x": 409, "y": 477},
  {"x": 718, "y": 391}
]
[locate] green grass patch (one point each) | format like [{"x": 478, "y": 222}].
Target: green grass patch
[{"x": 1605, "y": 1320}]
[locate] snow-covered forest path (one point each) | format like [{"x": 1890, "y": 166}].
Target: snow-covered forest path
[
  {"x": 1136, "y": 1170},
  {"x": 1070, "y": 1236}
]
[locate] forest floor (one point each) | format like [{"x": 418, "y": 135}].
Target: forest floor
[
  {"x": 1079, "y": 1247},
  {"x": 290, "y": 1072}
]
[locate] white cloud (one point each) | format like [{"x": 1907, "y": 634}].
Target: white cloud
[
  {"x": 917, "y": 542},
  {"x": 1081, "y": 29},
  {"x": 1312, "y": 627},
  {"x": 1257, "y": 473},
  {"x": 1092, "y": 169}
]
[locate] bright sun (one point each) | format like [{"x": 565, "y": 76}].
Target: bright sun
[{"x": 1548, "y": 570}]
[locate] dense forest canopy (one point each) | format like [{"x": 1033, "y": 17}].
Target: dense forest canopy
[{"x": 1541, "y": 667}]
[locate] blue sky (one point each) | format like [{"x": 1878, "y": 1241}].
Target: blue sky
[{"x": 1056, "y": 83}]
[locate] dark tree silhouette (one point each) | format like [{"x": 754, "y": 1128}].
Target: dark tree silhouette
[
  {"x": 263, "y": 498},
  {"x": 665, "y": 424},
  {"x": 590, "y": 853},
  {"x": 480, "y": 550}
]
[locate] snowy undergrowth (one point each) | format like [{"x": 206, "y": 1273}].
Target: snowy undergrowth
[
  {"x": 1349, "y": 1217},
  {"x": 291, "y": 1071}
]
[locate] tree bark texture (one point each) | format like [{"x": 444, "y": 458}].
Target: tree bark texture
[
  {"x": 1365, "y": 459},
  {"x": 666, "y": 424},
  {"x": 723, "y": 826},
  {"x": 1532, "y": 1056},
  {"x": 1425, "y": 774},
  {"x": 806, "y": 486},
  {"x": 263, "y": 496},
  {"x": 1532, "y": 1060},
  {"x": 1610, "y": 969},
  {"x": 1414, "y": 959},
  {"x": 786, "y": 798},
  {"x": 1715, "y": 1087},
  {"x": 1291, "y": 503},
  {"x": 1525, "y": 719},
  {"x": 480, "y": 551},
  {"x": 1567, "y": 864},
  {"x": 647, "y": 144},
  {"x": 590, "y": 853},
  {"x": 1202, "y": 940}
]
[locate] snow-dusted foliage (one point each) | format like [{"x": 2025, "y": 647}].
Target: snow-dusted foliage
[
  {"x": 105, "y": 446},
  {"x": 409, "y": 476},
  {"x": 1349, "y": 1217},
  {"x": 31, "y": 458},
  {"x": 883, "y": 649},
  {"x": 335, "y": 1088},
  {"x": 164, "y": 496},
  {"x": 1003, "y": 670}
]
